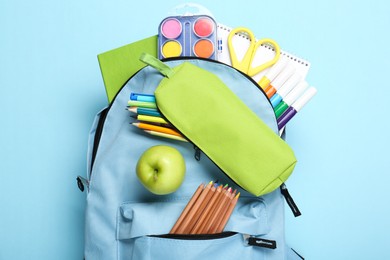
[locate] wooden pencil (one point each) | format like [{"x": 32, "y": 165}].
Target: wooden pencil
[
  {"x": 227, "y": 213},
  {"x": 206, "y": 213},
  {"x": 202, "y": 229},
  {"x": 188, "y": 207},
  {"x": 189, "y": 216},
  {"x": 199, "y": 211},
  {"x": 216, "y": 213},
  {"x": 224, "y": 210}
]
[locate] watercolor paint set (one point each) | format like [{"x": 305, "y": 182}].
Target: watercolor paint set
[{"x": 194, "y": 35}]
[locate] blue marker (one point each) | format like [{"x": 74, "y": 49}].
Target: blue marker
[{"x": 142, "y": 97}]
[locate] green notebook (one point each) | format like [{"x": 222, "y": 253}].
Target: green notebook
[{"x": 119, "y": 64}]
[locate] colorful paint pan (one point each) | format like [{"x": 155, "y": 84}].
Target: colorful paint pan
[
  {"x": 187, "y": 36},
  {"x": 204, "y": 27},
  {"x": 171, "y": 49},
  {"x": 171, "y": 28},
  {"x": 203, "y": 48}
]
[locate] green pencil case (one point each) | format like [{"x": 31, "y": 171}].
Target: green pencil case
[{"x": 219, "y": 123}]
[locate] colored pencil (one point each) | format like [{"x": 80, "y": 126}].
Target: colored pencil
[
  {"x": 160, "y": 129},
  {"x": 189, "y": 216},
  {"x": 169, "y": 136},
  {"x": 201, "y": 222},
  {"x": 223, "y": 211},
  {"x": 132, "y": 103},
  {"x": 144, "y": 111},
  {"x": 211, "y": 222},
  {"x": 188, "y": 207},
  {"x": 200, "y": 210},
  {"x": 227, "y": 214},
  {"x": 151, "y": 119},
  {"x": 204, "y": 228}
]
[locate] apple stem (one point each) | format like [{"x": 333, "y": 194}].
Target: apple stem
[{"x": 155, "y": 175}]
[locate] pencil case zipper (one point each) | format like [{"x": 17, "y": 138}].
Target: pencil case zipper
[{"x": 99, "y": 130}]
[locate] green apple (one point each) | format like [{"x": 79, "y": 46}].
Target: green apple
[{"x": 161, "y": 169}]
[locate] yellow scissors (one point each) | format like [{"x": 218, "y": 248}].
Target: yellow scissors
[{"x": 245, "y": 65}]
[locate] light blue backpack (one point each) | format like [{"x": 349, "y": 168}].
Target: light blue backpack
[{"x": 125, "y": 221}]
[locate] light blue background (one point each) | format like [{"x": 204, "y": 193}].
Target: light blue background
[{"x": 51, "y": 88}]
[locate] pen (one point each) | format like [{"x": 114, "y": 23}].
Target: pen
[
  {"x": 145, "y": 111},
  {"x": 142, "y": 97},
  {"x": 296, "y": 107},
  {"x": 272, "y": 73},
  {"x": 285, "y": 89},
  {"x": 277, "y": 83},
  {"x": 290, "y": 98},
  {"x": 133, "y": 103}
]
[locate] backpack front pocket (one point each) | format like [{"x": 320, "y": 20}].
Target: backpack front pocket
[{"x": 143, "y": 231}]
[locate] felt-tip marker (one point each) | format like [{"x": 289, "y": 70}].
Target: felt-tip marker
[
  {"x": 285, "y": 89},
  {"x": 296, "y": 107},
  {"x": 142, "y": 97},
  {"x": 272, "y": 73},
  {"x": 290, "y": 98},
  {"x": 277, "y": 83}
]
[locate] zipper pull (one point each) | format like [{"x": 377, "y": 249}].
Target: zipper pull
[
  {"x": 259, "y": 242},
  {"x": 82, "y": 183},
  {"x": 152, "y": 61},
  {"x": 289, "y": 200},
  {"x": 197, "y": 153}
]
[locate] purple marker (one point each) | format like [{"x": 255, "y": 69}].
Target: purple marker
[{"x": 296, "y": 107}]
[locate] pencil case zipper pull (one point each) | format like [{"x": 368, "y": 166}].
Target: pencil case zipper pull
[
  {"x": 197, "y": 153},
  {"x": 82, "y": 183},
  {"x": 290, "y": 202}
]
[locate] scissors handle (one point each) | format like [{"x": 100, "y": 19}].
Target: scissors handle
[
  {"x": 244, "y": 64},
  {"x": 254, "y": 70}
]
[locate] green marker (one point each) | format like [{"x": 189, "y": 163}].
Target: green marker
[{"x": 290, "y": 98}]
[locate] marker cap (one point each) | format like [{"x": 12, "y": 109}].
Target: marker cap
[
  {"x": 299, "y": 103},
  {"x": 290, "y": 84},
  {"x": 296, "y": 92},
  {"x": 283, "y": 76},
  {"x": 277, "y": 68}
]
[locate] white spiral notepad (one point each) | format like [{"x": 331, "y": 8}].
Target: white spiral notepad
[{"x": 264, "y": 53}]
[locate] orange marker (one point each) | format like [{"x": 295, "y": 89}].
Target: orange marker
[{"x": 279, "y": 80}]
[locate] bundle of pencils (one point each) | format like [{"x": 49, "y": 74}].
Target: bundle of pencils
[
  {"x": 208, "y": 210},
  {"x": 149, "y": 118}
]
